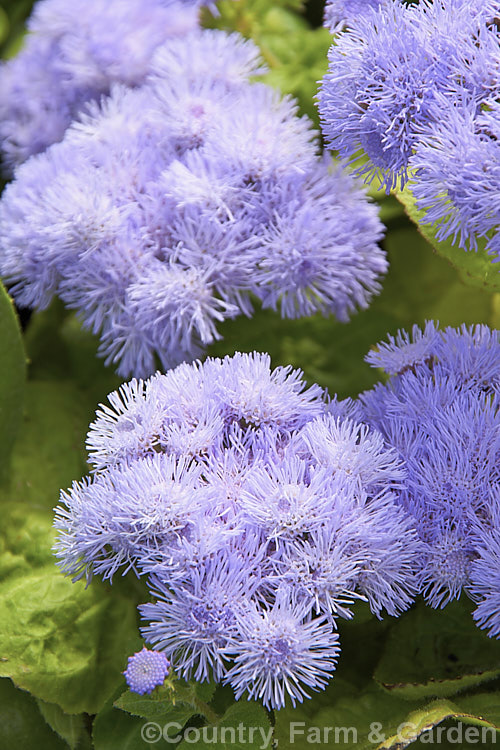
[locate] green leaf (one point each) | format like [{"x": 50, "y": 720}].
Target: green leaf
[
  {"x": 65, "y": 643},
  {"x": 12, "y": 380},
  {"x": 485, "y": 705},
  {"x": 113, "y": 730},
  {"x": 421, "y": 285},
  {"x": 22, "y": 727},
  {"x": 352, "y": 700},
  {"x": 4, "y": 26},
  {"x": 16, "y": 11},
  {"x": 59, "y": 349},
  {"x": 244, "y": 15},
  {"x": 52, "y": 453},
  {"x": 155, "y": 710},
  {"x": 475, "y": 268},
  {"x": 67, "y": 382},
  {"x": 151, "y": 716},
  {"x": 169, "y": 708},
  {"x": 368, "y": 718},
  {"x": 349, "y": 718},
  {"x": 244, "y": 726},
  {"x": 25, "y": 539},
  {"x": 297, "y": 60},
  {"x": 177, "y": 701},
  {"x": 69, "y": 727},
  {"x": 495, "y": 317},
  {"x": 437, "y": 653},
  {"x": 355, "y": 712},
  {"x": 422, "y": 722}
]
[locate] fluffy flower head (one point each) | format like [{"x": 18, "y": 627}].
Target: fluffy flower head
[{"x": 257, "y": 516}]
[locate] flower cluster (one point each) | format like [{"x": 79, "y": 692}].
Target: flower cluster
[
  {"x": 415, "y": 89},
  {"x": 258, "y": 514},
  {"x": 166, "y": 206},
  {"x": 73, "y": 54},
  {"x": 339, "y": 13},
  {"x": 441, "y": 411}
]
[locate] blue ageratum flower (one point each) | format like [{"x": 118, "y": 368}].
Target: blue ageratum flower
[
  {"x": 73, "y": 53},
  {"x": 379, "y": 83},
  {"x": 339, "y": 13},
  {"x": 457, "y": 172},
  {"x": 281, "y": 654},
  {"x": 485, "y": 570},
  {"x": 389, "y": 72},
  {"x": 168, "y": 207},
  {"x": 195, "y": 618},
  {"x": 404, "y": 350},
  {"x": 257, "y": 511},
  {"x": 298, "y": 269},
  {"x": 441, "y": 410},
  {"x": 108, "y": 523}
]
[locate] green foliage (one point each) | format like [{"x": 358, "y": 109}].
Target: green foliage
[
  {"x": 431, "y": 653},
  {"x": 356, "y": 712},
  {"x": 70, "y": 727},
  {"x": 66, "y": 383},
  {"x": 65, "y": 643},
  {"x": 422, "y": 721},
  {"x": 182, "y": 710},
  {"x": 52, "y": 451},
  {"x": 13, "y": 14},
  {"x": 178, "y": 701},
  {"x": 113, "y": 730},
  {"x": 297, "y": 61},
  {"x": 21, "y": 723},
  {"x": 12, "y": 380},
  {"x": 60, "y": 351},
  {"x": 4, "y": 26},
  {"x": 247, "y": 727}
]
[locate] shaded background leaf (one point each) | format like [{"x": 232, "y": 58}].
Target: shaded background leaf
[
  {"x": 437, "y": 653},
  {"x": 475, "y": 268},
  {"x": 12, "y": 380},
  {"x": 21, "y": 723},
  {"x": 70, "y": 727}
]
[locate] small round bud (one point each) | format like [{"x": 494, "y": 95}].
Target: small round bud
[{"x": 146, "y": 669}]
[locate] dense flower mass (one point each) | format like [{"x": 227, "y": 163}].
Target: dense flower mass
[
  {"x": 415, "y": 89},
  {"x": 485, "y": 569},
  {"x": 343, "y": 12},
  {"x": 74, "y": 52},
  {"x": 166, "y": 206},
  {"x": 441, "y": 411},
  {"x": 258, "y": 515}
]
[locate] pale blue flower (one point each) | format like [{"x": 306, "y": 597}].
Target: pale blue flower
[
  {"x": 441, "y": 411},
  {"x": 256, "y": 516},
  {"x": 73, "y": 53},
  {"x": 167, "y": 206},
  {"x": 279, "y": 654}
]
